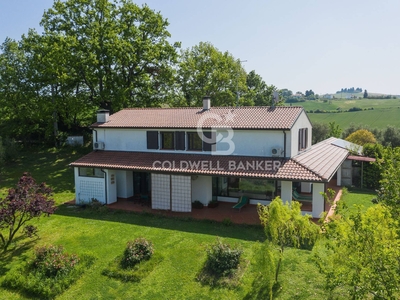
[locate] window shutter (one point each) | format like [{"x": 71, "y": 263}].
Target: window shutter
[
  {"x": 305, "y": 138},
  {"x": 209, "y": 146},
  {"x": 152, "y": 139},
  {"x": 299, "y": 143},
  {"x": 179, "y": 140}
]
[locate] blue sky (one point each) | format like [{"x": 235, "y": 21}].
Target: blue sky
[{"x": 300, "y": 45}]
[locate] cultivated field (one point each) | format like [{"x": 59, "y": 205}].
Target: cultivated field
[{"x": 385, "y": 112}]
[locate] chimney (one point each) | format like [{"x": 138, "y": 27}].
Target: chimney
[
  {"x": 102, "y": 115},
  {"x": 206, "y": 103}
]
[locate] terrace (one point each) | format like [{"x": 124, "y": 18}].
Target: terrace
[{"x": 224, "y": 211}]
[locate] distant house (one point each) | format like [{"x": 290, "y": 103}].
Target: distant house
[
  {"x": 175, "y": 156},
  {"x": 327, "y": 96}
]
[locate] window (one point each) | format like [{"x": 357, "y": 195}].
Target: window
[
  {"x": 303, "y": 138},
  {"x": 176, "y": 140},
  {"x": 167, "y": 140},
  {"x": 194, "y": 141},
  {"x": 91, "y": 172},
  {"x": 261, "y": 189}
]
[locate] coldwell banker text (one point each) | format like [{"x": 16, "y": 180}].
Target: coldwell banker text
[{"x": 230, "y": 165}]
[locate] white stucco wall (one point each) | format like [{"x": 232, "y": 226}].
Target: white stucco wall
[
  {"x": 111, "y": 186},
  {"x": 124, "y": 183},
  {"x": 88, "y": 188},
  {"x": 202, "y": 189},
  {"x": 250, "y": 142},
  {"x": 246, "y": 142},
  {"x": 117, "y": 139},
  {"x": 318, "y": 200},
  {"x": 302, "y": 122}
]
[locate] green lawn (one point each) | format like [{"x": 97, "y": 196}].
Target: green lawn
[
  {"x": 180, "y": 242},
  {"x": 358, "y": 197}
]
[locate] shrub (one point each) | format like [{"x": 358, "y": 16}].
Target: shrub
[
  {"x": 42, "y": 281},
  {"x": 135, "y": 252},
  {"x": 197, "y": 204},
  {"x": 134, "y": 274},
  {"x": 222, "y": 259},
  {"x": 51, "y": 261}
]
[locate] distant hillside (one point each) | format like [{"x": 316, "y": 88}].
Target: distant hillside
[{"x": 344, "y": 95}]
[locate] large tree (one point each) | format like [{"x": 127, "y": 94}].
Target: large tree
[
  {"x": 92, "y": 53},
  {"x": 118, "y": 50},
  {"x": 259, "y": 93},
  {"x": 206, "y": 71}
]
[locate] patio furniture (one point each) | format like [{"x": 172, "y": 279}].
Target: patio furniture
[
  {"x": 243, "y": 201},
  {"x": 300, "y": 197}
]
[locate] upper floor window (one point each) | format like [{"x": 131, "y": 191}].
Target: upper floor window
[
  {"x": 176, "y": 140},
  {"x": 167, "y": 140},
  {"x": 303, "y": 138},
  {"x": 194, "y": 141}
]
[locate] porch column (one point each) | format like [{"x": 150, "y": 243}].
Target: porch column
[
  {"x": 286, "y": 191},
  {"x": 124, "y": 184},
  {"x": 317, "y": 199},
  {"x": 339, "y": 176}
]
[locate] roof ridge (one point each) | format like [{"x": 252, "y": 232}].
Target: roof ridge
[{"x": 212, "y": 107}]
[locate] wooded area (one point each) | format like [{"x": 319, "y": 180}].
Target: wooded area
[{"x": 112, "y": 55}]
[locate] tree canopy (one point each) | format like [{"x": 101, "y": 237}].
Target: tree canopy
[
  {"x": 361, "y": 254},
  {"x": 92, "y": 54},
  {"x": 361, "y": 137},
  {"x": 205, "y": 71}
]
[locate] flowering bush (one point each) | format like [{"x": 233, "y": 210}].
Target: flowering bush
[
  {"x": 51, "y": 261},
  {"x": 136, "y": 251}
]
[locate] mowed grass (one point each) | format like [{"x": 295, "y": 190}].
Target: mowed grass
[{"x": 180, "y": 242}]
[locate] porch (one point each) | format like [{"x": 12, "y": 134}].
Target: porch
[{"x": 224, "y": 211}]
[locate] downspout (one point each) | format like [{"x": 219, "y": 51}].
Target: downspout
[
  {"x": 105, "y": 184},
  {"x": 95, "y": 135},
  {"x": 284, "y": 143}
]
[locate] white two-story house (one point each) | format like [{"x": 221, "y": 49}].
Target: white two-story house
[{"x": 175, "y": 156}]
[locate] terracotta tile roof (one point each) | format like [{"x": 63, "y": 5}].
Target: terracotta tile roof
[
  {"x": 216, "y": 165},
  {"x": 247, "y": 117},
  {"x": 323, "y": 158}
]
